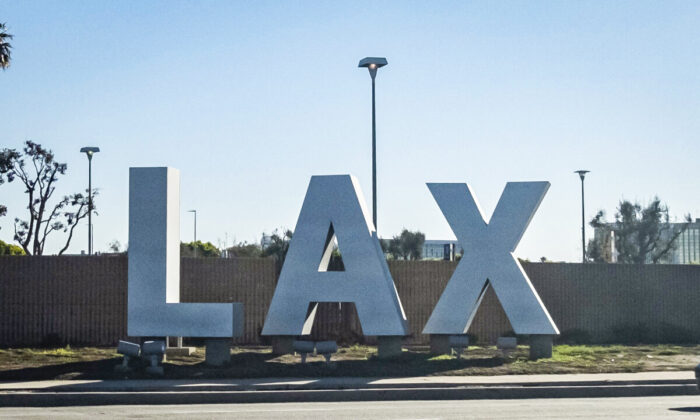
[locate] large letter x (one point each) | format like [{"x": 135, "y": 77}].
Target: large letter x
[{"x": 488, "y": 259}]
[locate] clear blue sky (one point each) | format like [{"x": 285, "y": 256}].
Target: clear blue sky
[{"x": 249, "y": 99}]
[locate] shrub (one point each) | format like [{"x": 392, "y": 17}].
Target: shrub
[{"x": 9, "y": 249}]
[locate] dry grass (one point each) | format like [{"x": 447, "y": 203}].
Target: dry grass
[{"x": 97, "y": 363}]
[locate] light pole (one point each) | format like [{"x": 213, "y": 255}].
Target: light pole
[
  {"x": 372, "y": 64},
  {"x": 582, "y": 173},
  {"x": 89, "y": 151},
  {"x": 195, "y": 230}
]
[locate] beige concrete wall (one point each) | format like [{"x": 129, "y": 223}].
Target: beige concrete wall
[
  {"x": 606, "y": 302},
  {"x": 82, "y": 300}
]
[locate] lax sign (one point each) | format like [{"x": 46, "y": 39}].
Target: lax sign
[{"x": 333, "y": 212}]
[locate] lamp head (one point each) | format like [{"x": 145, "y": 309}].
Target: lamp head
[
  {"x": 582, "y": 173},
  {"x": 89, "y": 151},
  {"x": 372, "y": 64}
]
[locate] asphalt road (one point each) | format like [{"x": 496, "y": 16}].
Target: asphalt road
[{"x": 634, "y": 408}]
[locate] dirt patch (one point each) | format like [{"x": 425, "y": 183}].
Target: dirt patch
[{"x": 257, "y": 362}]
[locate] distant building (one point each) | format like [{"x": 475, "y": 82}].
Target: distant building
[
  {"x": 687, "y": 246},
  {"x": 438, "y": 249},
  {"x": 606, "y": 239},
  {"x": 686, "y": 250},
  {"x": 265, "y": 241},
  {"x": 435, "y": 249}
]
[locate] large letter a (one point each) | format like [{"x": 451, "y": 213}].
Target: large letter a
[{"x": 334, "y": 207}]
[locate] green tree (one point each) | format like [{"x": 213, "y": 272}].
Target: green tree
[
  {"x": 278, "y": 246},
  {"x": 5, "y": 47},
  {"x": 9, "y": 249},
  {"x": 642, "y": 234},
  {"x": 407, "y": 245},
  {"x": 392, "y": 247},
  {"x": 37, "y": 169},
  {"x": 246, "y": 250},
  {"x": 203, "y": 250}
]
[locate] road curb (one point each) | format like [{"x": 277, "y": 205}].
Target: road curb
[
  {"x": 130, "y": 387},
  {"x": 56, "y": 399}
]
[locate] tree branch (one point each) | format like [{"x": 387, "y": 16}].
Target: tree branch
[{"x": 75, "y": 218}]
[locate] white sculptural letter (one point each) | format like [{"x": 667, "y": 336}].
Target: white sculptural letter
[
  {"x": 154, "y": 266},
  {"x": 488, "y": 259},
  {"x": 333, "y": 207}
]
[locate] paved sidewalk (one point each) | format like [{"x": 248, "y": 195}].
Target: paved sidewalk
[
  {"x": 175, "y": 385},
  {"x": 208, "y": 391}
]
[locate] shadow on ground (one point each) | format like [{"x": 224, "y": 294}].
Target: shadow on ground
[
  {"x": 96, "y": 369},
  {"x": 686, "y": 409},
  {"x": 256, "y": 365},
  {"x": 261, "y": 365}
]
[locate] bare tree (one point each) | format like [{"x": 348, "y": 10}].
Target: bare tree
[
  {"x": 278, "y": 246},
  {"x": 38, "y": 171},
  {"x": 642, "y": 234}
]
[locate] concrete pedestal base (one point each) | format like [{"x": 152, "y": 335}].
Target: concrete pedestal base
[
  {"x": 218, "y": 351},
  {"x": 541, "y": 346},
  {"x": 124, "y": 367},
  {"x": 389, "y": 346},
  {"x": 179, "y": 351},
  {"x": 440, "y": 344},
  {"x": 507, "y": 343},
  {"x": 283, "y": 344}
]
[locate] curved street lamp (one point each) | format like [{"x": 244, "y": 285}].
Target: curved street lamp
[
  {"x": 89, "y": 151},
  {"x": 582, "y": 173},
  {"x": 372, "y": 64}
]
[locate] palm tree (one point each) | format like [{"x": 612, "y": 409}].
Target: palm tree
[{"x": 5, "y": 47}]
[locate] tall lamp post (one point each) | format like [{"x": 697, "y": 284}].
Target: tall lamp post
[
  {"x": 372, "y": 64},
  {"x": 89, "y": 151},
  {"x": 195, "y": 230},
  {"x": 582, "y": 174}
]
